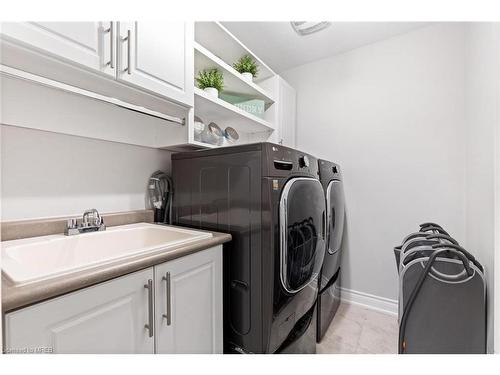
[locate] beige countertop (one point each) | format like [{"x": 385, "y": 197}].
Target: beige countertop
[{"x": 18, "y": 296}]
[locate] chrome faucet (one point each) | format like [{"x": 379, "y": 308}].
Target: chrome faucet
[{"x": 91, "y": 222}]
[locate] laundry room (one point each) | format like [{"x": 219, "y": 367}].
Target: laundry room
[{"x": 250, "y": 187}]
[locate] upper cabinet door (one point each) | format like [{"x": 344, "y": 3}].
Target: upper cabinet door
[
  {"x": 106, "y": 318},
  {"x": 188, "y": 295},
  {"x": 287, "y": 114},
  {"x": 89, "y": 44},
  {"x": 158, "y": 56}
]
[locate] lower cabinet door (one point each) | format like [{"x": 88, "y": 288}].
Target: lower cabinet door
[
  {"x": 106, "y": 318},
  {"x": 188, "y": 294}
]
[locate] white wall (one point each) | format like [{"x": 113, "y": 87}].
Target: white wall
[
  {"x": 392, "y": 115},
  {"x": 482, "y": 100},
  {"x": 48, "y": 174}
]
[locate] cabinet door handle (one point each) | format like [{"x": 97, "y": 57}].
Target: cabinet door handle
[
  {"x": 128, "y": 38},
  {"x": 149, "y": 325},
  {"x": 111, "y": 30},
  {"x": 168, "y": 314}
]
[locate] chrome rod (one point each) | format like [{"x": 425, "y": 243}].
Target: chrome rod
[
  {"x": 168, "y": 314},
  {"x": 28, "y": 77},
  {"x": 149, "y": 325}
]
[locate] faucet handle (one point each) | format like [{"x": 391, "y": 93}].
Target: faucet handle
[
  {"x": 71, "y": 223},
  {"x": 96, "y": 219}
]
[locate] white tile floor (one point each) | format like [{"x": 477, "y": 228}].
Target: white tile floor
[{"x": 357, "y": 330}]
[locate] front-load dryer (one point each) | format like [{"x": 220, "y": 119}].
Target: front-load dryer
[
  {"x": 329, "y": 280},
  {"x": 269, "y": 198}
]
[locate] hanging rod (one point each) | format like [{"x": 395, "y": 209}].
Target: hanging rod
[{"x": 19, "y": 74}]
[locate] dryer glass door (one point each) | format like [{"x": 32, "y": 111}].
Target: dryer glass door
[
  {"x": 335, "y": 218},
  {"x": 302, "y": 232}
]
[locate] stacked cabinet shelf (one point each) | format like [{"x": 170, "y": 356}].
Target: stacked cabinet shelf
[
  {"x": 218, "y": 39},
  {"x": 220, "y": 111},
  {"x": 204, "y": 59},
  {"x": 216, "y": 47}
]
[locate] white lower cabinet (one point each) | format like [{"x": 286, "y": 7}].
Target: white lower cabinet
[
  {"x": 106, "y": 318},
  {"x": 188, "y": 294},
  {"x": 116, "y": 316}
]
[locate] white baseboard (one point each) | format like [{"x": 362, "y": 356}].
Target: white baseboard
[{"x": 370, "y": 301}]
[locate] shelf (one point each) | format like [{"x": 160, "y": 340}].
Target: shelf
[
  {"x": 192, "y": 146},
  {"x": 233, "y": 82},
  {"x": 203, "y": 144},
  {"x": 218, "y": 39},
  {"x": 222, "y": 113}
]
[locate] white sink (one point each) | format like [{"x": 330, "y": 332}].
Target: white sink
[{"x": 39, "y": 258}]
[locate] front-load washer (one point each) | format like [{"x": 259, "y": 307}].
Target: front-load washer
[
  {"x": 268, "y": 197},
  {"x": 329, "y": 280}
]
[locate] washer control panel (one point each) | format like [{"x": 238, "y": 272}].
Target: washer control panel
[{"x": 284, "y": 160}]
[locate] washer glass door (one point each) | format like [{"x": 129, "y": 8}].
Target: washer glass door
[
  {"x": 302, "y": 232},
  {"x": 335, "y": 218}
]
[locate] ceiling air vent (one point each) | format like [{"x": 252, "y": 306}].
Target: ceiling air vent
[{"x": 307, "y": 27}]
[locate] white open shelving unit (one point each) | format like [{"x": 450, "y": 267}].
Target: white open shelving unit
[
  {"x": 216, "y": 47},
  {"x": 216, "y": 38},
  {"x": 220, "y": 111},
  {"x": 233, "y": 83}
]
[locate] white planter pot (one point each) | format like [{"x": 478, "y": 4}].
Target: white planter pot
[
  {"x": 212, "y": 91},
  {"x": 247, "y": 76}
]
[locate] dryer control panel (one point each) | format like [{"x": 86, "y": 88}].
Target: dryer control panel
[{"x": 329, "y": 170}]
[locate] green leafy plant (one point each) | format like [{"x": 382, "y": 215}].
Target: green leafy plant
[
  {"x": 246, "y": 64},
  {"x": 210, "y": 78}
]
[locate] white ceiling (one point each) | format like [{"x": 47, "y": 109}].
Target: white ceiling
[{"x": 281, "y": 48}]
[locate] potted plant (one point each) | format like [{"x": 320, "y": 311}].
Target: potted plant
[
  {"x": 247, "y": 66},
  {"x": 211, "y": 81}
]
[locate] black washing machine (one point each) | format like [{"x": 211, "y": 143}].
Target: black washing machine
[
  {"x": 329, "y": 280},
  {"x": 268, "y": 197}
]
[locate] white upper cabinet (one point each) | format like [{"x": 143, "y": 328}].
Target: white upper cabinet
[
  {"x": 189, "y": 304},
  {"x": 158, "y": 56},
  {"x": 107, "y": 318},
  {"x": 287, "y": 114},
  {"x": 90, "y": 44}
]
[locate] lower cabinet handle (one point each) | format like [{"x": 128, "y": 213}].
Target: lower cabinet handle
[
  {"x": 168, "y": 314},
  {"x": 149, "y": 326}
]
